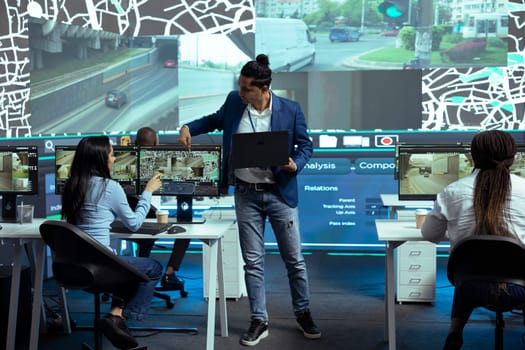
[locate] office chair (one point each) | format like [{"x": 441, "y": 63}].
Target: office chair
[
  {"x": 81, "y": 262},
  {"x": 493, "y": 259}
]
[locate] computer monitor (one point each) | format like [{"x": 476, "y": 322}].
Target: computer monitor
[
  {"x": 518, "y": 167},
  {"x": 63, "y": 160},
  {"x": 184, "y": 174},
  {"x": 18, "y": 176},
  {"x": 124, "y": 169},
  {"x": 423, "y": 170}
]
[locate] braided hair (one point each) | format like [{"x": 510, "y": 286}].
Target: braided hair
[{"x": 493, "y": 154}]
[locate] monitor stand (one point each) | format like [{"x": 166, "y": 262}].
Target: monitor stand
[
  {"x": 185, "y": 211},
  {"x": 8, "y": 207}
]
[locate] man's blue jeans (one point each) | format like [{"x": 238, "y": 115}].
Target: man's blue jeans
[{"x": 252, "y": 209}]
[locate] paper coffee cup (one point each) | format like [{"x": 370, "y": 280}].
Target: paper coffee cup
[
  {"x": 421, "y": 215},
  {"x": 162, "y": 216}
]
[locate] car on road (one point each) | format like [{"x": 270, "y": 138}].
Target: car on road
[
  {"x": 412, "y": 64},
  {"x": 115, "y": 98},
  {"x": 390, "y": 33},
  {"x": 170, "y": 63},
  {"x": 344, "y": 34}
]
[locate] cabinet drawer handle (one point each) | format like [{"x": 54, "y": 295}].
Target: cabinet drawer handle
[
  {"x": 414, "y": 267},
  {"x": 415, "y": 253},
  {"x": 415, "y": 280}
]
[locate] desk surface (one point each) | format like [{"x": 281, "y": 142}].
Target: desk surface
[
  {"x": 398, "y": 230},
  {"x": 197, "y": 231},
  {"x": 17, "y": 230}
]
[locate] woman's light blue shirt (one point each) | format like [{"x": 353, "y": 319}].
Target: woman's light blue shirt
[{"x": 104, "y": 203}]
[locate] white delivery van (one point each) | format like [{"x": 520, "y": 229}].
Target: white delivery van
[{"x": 288, "y": 43}]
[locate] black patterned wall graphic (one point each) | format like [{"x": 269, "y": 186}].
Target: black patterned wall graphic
[{"x": 14, "y": 71}]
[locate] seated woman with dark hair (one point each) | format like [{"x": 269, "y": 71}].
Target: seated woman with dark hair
[
  {"x": 489, "y": 201},
  {"x": 92, "y": 201}
]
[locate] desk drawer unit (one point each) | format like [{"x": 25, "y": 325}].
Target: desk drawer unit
[{"x": 416, "y": 272}]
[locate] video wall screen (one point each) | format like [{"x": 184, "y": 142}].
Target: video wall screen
[
  {"x": 165, "y": 97},
  {"x": 350, "y": 67}
]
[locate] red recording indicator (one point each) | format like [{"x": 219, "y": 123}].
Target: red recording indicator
[{"x": 386, "y": 140}]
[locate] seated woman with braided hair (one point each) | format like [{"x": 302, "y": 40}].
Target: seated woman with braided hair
[{"x": 489, "y": 202}]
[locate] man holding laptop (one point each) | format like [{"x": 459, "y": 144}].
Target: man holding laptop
[{"x": 263, "y": 190}]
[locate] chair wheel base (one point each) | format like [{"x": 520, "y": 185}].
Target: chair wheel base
[{"x": 166, "y": 298}]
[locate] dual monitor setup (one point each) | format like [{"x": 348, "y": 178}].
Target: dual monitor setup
[
  {"x": 184, "y": 173},
  {"x": 423, "y": 170}
]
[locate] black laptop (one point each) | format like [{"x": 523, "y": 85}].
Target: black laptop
[{"x": 259, "y": 149}]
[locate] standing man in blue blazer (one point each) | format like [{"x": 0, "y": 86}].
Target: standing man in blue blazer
[{"x": 264, "y": 193}]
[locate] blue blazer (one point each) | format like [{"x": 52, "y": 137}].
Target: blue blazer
[{"x": 286, "y": 115}]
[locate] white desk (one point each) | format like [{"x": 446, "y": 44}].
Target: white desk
[
  {"x": 210, "y": 233},
  {"x": 394, "y": 233},
  {"x": 392, "y": 201}
]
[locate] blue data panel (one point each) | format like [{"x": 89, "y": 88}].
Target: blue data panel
[{"x": 339, "y": 199}]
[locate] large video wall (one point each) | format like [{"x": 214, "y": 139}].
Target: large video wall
[
  {"x": 61, "y": 58},
  {"x": 70, "y": 68}
]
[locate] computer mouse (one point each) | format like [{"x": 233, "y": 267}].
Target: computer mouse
[{"x": 176, "y": 229}]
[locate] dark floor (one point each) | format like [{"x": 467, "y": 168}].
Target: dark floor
[{"x": 346, "y": 301}]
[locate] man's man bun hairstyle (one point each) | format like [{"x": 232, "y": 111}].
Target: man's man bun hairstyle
[
  {"x": 263, "y": 60},
  {"x": 259, "y": 70}
]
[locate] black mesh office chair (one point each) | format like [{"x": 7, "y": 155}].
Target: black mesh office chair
[
  {"x": 489, "y": 258},
  {"x": 81, "y": 262}
]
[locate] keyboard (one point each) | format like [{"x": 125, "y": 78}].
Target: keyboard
[{"x": 147, "y": 228}]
